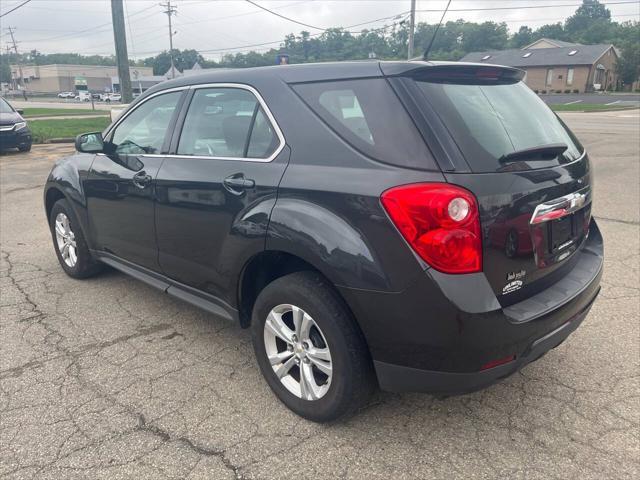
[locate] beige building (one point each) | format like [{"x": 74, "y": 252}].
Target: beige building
[
  {"x": 556, "y": 66},
  {"x": 59, "y": 78}
]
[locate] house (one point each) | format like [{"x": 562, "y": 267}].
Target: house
[{"x": 554, "y": 65}]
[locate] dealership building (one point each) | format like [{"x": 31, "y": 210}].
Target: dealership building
[{"x": 59, "y": 78}]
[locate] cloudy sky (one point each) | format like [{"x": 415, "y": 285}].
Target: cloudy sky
[{"x": 214, "y": 27}]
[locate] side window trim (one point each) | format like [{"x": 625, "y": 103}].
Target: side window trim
[
  {"x": 247, "y": 142},
  {"x": 260, "y": 104},
  {"x": 108, "y": 135}
]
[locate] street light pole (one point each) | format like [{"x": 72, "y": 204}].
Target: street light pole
[
  {"x": 170, "y": 11},
  {"x": 412, "y": 23},
  {"x": 122, "y": 57}
]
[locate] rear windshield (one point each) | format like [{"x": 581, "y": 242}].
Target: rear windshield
[
  {"x": 492, "y": 120},
  {"x": 367, "y": 114}
]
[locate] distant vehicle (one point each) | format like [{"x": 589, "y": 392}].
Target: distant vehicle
[
  {"x": 111, "y": 97},
  {"x": 83, "y": 96},
  {"x": 95, "y": 96},
  {"x": 14, "y": 131},
  {"x": 67, "y": 95}
]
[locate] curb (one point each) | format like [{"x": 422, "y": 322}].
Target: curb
[{"x": 59, "y": 140}]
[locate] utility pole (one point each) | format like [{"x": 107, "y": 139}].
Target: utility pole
[
  {"x": 170, "y": 11},
  {"x": 15, "y": 49},
  {"x": 412, "y": 24},
  {"x": 122, "y": 57}
]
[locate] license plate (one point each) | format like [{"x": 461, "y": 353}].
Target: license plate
[{"x": 562, "y": 233}]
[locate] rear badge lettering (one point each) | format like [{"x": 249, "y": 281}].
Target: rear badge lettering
[
  {"x": 516, "y": 275},
  {"x": 512, "y": 286}
]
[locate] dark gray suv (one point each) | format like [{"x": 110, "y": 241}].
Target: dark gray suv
[{"x": 409, "y": 225}]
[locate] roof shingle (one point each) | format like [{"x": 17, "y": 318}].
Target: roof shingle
[{"x": 585, "y": 55}]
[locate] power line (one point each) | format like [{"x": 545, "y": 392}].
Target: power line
[
  {"x": 486, "y": 9},
  {"x": 284, "y": 17},
  {"x": 15, "y": 8},
  {"x": 344, "y": 29}
]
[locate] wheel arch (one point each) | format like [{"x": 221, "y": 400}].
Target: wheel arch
[{"x": 267, "y": 266}]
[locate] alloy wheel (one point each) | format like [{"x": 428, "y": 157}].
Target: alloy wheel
[
  {"x": 298, "y": 352},
  {"x": 66, "y": 240}
]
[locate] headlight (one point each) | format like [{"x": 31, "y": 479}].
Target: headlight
[{"x": 20, "y": 125}]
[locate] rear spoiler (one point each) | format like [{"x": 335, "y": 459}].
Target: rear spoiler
[{"x": 453, "y": 71}]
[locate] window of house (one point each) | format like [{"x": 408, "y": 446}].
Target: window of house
[
  {"x": 549, "y": 77},
  {"x": 144, "y": 129},
  {"x": 572, "y": 53},
  {"x": 226, "y": 123},
  {"x": 527, "y": 55},
  {"x": 570, "y": 76}
]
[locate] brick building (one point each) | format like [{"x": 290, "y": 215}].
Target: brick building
[{"x": 553, "y": 65}]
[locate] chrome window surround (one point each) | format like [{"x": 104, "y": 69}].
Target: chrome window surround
[{"x": 242, "y": 86}]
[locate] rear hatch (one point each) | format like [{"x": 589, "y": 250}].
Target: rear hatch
[{"x": 529, "y": 173}]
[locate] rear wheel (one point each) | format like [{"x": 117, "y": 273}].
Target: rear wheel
[
  {"x": 69, "y": 242},
  {"x": 309, "y": 348},
  {"x": 25, "y": 148}
]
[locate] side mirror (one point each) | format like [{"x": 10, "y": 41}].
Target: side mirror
[
  {"x": 90, "y": 143},
  {"x": 20, "y": 111}
]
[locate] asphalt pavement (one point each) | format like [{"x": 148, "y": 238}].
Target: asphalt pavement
[{"x": 108, "y": 378}]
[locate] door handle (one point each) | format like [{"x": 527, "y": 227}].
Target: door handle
[
  {"x": 141, "y": 179},
  {"x": 237, "y": 183}
]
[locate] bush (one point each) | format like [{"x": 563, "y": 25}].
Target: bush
[
  {"x": 575, "y": 90},
  {"x": 536, "y": 91},
  {"x": 543, "y": 91},
  {"x": 567, "y": 90}
]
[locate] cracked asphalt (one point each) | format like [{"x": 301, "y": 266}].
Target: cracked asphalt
[{"x": 108, "y": 378}]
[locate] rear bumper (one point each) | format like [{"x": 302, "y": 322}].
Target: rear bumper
[
  {"x": 398, "y": 378},
  {"x": 440, "y": 334}
]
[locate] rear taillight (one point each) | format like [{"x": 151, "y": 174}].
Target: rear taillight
[{"x": 440, "y": 222}]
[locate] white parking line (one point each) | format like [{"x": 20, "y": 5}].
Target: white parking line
[
  {"x": 613, "y": 103},
  {"x": 575, "y": 101}
]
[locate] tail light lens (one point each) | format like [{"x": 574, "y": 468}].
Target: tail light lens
[{"x": 441, "y": 223}]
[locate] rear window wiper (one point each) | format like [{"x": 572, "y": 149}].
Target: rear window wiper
[{"x": 543, "y": 152}]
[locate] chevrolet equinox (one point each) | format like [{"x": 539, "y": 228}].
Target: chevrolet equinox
[{"x": 413, "y": 226}]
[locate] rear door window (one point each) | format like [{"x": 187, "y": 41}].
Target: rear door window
[
  {"x": 492, "y": 120},
  {"x": 367, "y": 114},
  {"x": 226, "y": 123}
]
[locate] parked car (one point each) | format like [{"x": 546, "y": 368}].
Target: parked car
[
  {"x": 67, "y": 95},
  {"x": 83, "y": 96},
  {"x": 14, "y": 131},
  {"x": 341, "y": 211},
  {"x": 113, "y": 97}
]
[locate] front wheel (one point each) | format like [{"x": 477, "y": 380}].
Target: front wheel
[
  {"x": 309, "y": 348},
  {"x": 69, "y": 242}
]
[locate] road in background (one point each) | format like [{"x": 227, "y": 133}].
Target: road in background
[
  {"x": 614, "y": 100},
  {"x": 108, "y": 378}
]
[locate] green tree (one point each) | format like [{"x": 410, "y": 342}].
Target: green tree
[
  {"x": 522, "y": 37},
  {"x": 628, "y": 66}
]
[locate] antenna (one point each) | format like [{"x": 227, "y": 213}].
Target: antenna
[{"x": 426, "y": 53}]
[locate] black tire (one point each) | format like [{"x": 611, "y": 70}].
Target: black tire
[
  {"x": 85, "y": 266},
  {"x": 26, "y": 148},
  {"x": 353, "y": 379}
]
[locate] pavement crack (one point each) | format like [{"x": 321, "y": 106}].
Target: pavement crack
[{"x": 144, "y": 426}]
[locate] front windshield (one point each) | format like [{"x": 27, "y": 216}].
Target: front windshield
[{"x": 5, "y": 107}]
